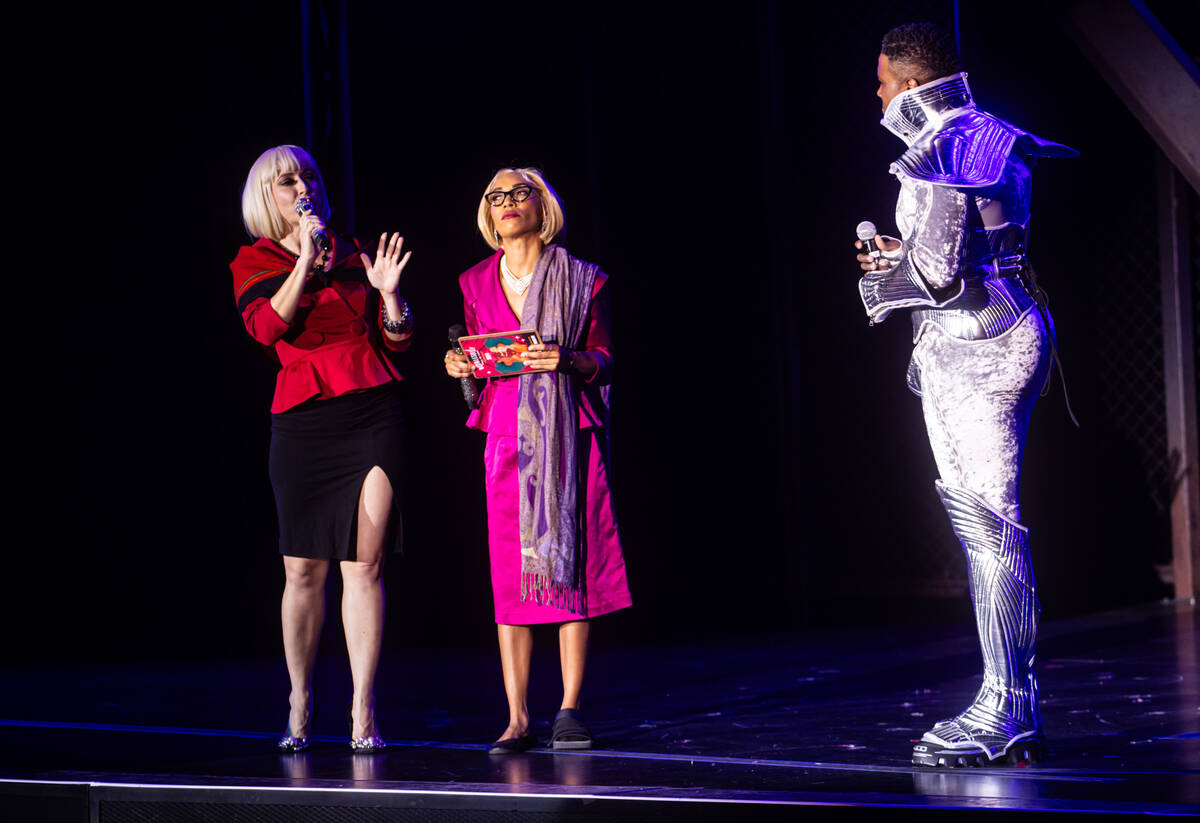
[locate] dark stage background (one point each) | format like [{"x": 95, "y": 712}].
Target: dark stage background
[{"x": 770, "y": 467}]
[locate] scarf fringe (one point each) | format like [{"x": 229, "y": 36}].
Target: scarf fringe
[{"x": 545, "y": 592}]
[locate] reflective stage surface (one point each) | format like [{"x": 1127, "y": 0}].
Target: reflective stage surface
[{"x": 820, "y": 718}]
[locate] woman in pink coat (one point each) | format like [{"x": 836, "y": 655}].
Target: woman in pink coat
[{"x": 552, "y": 535}]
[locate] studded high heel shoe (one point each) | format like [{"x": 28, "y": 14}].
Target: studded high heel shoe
[
  {"x": 371, "y": 744},
  {"x": 290, "y": 743}
]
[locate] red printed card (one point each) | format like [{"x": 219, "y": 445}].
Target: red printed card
[{"x": 501, "y": 354}]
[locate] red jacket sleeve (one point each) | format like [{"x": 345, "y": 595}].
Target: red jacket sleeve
[{"x": 262, "y": 322}]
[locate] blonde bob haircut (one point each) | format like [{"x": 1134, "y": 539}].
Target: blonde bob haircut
[
  {"x": 259, "y": 212},
  {"x": 553, "y": 220}
]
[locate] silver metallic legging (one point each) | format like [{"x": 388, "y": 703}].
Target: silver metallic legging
[{"x": 977, "y": 397}]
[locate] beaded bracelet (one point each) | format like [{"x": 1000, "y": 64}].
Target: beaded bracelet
[{"x": 399, "y": 326}]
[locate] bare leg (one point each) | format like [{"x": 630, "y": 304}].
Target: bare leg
[
  {"x": 516, "y": 651},
  {"x": 572, "y": 652},
  {"x": 303, "y": 614},
  {"x": 362, "y": 599}
]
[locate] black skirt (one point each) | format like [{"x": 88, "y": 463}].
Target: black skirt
[{"x": 321, "y": 452}]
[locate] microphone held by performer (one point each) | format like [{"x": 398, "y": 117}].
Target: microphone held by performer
[
  {"x": 320, "y": 238},
  {"x": 467, "y": 384},
  {"x": 866, "y": 233},
  {"x": 876, "y": 250}
]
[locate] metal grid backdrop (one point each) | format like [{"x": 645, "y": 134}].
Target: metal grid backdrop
[
  {"x": 1128, "y": 338},
  {"x": 1194, "y": 206},
  {"x": 1130, "y": 342}
]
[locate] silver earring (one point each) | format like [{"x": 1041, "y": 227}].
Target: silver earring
[{"x": 496, "y": 235}]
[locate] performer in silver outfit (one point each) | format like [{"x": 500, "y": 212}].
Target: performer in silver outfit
[{"x": 984, "y": 342}]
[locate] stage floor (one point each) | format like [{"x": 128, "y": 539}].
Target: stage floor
[{"x": 818, "y": 718}]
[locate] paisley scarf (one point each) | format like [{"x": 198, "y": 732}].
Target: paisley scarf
[{"x": 552, "y": 544}]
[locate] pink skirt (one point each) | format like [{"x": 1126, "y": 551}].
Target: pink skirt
[{"x": 607, "y": 588}]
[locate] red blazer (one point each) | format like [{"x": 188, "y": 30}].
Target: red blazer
[
  {"x": 486, "y": 310},
  {"x": 328, "y": 349}
]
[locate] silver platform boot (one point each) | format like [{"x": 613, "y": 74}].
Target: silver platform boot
[{"x": 1002, "y": 726}]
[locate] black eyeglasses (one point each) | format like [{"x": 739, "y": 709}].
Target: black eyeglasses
[{"x": 519, "y": 194}]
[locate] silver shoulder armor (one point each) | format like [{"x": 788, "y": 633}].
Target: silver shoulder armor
[
  {"x": 953, "y": 143},
  {"x": 970, "y": 151}
]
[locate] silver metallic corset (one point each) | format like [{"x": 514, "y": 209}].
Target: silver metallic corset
[
  {"x": 992, "y": 300},
  {"x": 955, "y": 273}
]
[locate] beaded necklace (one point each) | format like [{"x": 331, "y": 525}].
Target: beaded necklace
[{"x": 517, "y": 284}]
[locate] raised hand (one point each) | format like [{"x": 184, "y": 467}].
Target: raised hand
[{"x": 384, "y": 273}]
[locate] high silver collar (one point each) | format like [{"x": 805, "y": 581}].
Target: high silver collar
[{"x": 923, "y": 109}]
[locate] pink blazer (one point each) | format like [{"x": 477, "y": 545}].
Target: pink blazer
[{"x": 486, "y": 310}]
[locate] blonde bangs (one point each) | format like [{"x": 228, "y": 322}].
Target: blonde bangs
[{"x": 259, "y": 213}]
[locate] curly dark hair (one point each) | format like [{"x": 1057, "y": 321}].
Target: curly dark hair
[{"x": 922, "y": 51}]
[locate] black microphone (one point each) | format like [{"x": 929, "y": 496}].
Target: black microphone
[
  {"x": 467, "y": 384},
  {"x": 319, "y": 237},
  {"x": 866, "y": 233}
]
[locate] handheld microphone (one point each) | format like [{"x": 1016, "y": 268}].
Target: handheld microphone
[
  {"x": 866, "y": 233},
  {"x": 320, "y": 238},
  {"x": 467, "y": 384}
]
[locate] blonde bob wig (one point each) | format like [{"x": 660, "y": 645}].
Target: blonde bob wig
[
  {"x": 259, "y": 212},
  {"x": 553, "y": 220}
]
